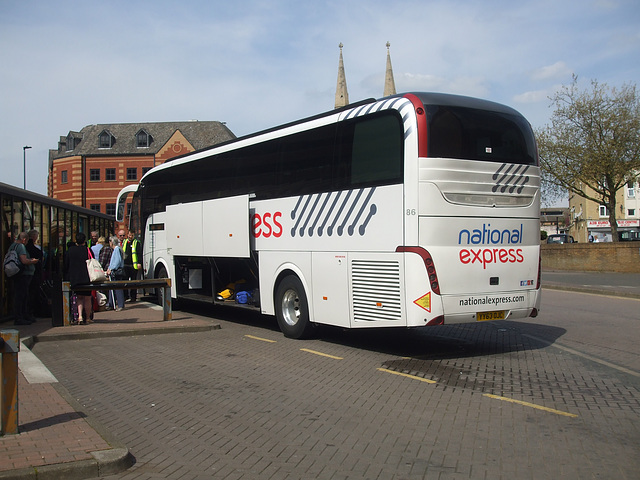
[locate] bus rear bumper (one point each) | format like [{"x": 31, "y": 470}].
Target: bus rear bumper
[
  {"x": 493, "y": 306},
  {"x": 492, "y": 315}
]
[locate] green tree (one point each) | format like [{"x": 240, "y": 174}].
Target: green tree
[{"x": 592, "y": 147}]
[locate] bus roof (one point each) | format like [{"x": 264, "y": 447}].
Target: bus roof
[{"x": 449, "y": 100}]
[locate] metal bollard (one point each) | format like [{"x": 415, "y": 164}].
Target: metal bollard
[
  {"x": 66, "y": 304},
  {"x": 9, "y": 348},
  {"x": 166, "y": 307}
]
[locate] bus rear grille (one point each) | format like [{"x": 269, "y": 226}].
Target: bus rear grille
[{"x": 376, "y": 290}]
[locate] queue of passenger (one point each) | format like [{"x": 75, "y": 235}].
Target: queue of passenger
[{"x": 118, "y": 261}]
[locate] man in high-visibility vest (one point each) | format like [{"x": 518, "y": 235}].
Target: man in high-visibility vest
[{"x": 132, "y": 249}]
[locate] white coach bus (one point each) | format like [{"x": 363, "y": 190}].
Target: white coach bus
[{"x": 416, "y": 209}]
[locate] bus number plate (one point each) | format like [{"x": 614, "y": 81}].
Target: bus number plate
[{"x": 484, "y": 316}]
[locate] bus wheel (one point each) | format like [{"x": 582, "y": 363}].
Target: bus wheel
[
  {"x": 162, "y": 273},
  {"x": 292, "y": 309}
]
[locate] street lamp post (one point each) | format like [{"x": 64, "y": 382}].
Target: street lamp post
[{"x": 24, "y": 165}]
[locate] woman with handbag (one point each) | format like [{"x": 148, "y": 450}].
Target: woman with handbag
[
  {"x": 116, "y": 272},
  {"x": 77, "y": 274}
]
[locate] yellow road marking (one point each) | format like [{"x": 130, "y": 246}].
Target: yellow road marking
[
  {"x": 532, "y": 405},
  {"x": 261, "y": 339},
  {"x": 321, "y": 354},
  {"x": 426, "y": 380}
]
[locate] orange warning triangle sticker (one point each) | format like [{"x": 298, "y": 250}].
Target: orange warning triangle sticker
[{"x": 424, "y": 302}]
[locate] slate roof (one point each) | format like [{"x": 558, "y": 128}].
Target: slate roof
[{"x": 199, "y": 134}]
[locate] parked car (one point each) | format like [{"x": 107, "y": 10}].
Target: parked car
[
  {"x": 560, "y": 238},
  {"x": 629, "y": 236}
]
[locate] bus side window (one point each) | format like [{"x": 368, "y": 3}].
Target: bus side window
[
  {"x": 376, "y": 155},
  {"x": 255, "y": 166},
  {"x": 306, "y": 161}
]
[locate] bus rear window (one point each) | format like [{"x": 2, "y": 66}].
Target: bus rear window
[{"x": 470, "y": 134}]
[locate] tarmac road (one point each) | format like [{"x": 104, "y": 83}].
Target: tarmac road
[{"x": 620, "y": 284}]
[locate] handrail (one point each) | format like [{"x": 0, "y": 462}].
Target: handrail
[{"x": 165, "y": 283}]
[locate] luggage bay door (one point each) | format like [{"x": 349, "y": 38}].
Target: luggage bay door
[{"x": 212, "y": 228}]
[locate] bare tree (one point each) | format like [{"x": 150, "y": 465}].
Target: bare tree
[{"x": 592, "y": 147}]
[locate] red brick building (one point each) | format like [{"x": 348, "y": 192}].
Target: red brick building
[{"x": 91, "y": 166}]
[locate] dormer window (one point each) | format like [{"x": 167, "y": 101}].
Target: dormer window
[
  {"x": 143, "y": 139},
  {"x": 106, "y": 140},
  {"x": 72, "y": 142}
]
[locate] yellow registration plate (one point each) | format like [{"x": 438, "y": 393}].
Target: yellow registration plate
[{"x": 484, "y": 316}]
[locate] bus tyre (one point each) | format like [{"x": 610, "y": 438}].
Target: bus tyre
[{"x": 292, "y": 309}]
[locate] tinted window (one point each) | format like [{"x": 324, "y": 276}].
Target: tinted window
[
  {"x": 255, "y": 166},
  {"x": 210, "y": 177},
  {"x": 306, "y": 162},
  {"x": 467, "y": 133},
  {"x": 362, "y": 152},
  {"x": 376, "y": 157}
]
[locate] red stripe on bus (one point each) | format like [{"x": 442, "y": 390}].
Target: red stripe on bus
[{"x": 421, "y": 118}]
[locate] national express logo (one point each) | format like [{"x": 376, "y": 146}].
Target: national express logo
[
  {"x": 487, "y": 245},
  {"x": 511, "y": 178},
  {"x": 331, "y": 214}
]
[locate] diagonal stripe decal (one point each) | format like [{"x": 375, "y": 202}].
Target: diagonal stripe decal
[
  {"x": 340, "y": 213},
  {"x": 510, "y": 177}
]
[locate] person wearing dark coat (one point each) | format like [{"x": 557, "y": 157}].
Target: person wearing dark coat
[
  {"x": 77, "y": 274},
  {"x": 35, "y": 304}
]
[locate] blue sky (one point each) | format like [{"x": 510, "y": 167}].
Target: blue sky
[{"x": 256, "y": 64}]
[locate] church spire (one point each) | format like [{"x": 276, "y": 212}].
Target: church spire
[
  {"x": 342, "y": 96},
  {"x": 389, "y": 84}
]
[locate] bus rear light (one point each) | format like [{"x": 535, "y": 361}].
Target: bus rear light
[
  {"x": 539, "y": 282},
  {"x": 534, "y": 313},
  {"x": 439, "y": 320},
  {"x": 428, "y": 263}
]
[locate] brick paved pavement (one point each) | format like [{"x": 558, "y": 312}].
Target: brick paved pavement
[
  {"x": 56, "y": 439},
  {"x": 228, "y": 404},
  {"x": 46, "y": 418}
]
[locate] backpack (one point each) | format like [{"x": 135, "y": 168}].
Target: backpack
[{"x": 12, "y": 264}]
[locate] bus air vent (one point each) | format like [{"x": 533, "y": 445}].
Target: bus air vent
[{"x": 376, "y": 290}]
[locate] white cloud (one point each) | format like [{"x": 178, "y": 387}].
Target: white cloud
[
  {"x": 607, "y": 4},
  {"x": 557, "y": 70},
  {"x": 533, "y": 96},
  {"x": 536, "y": 101}
]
